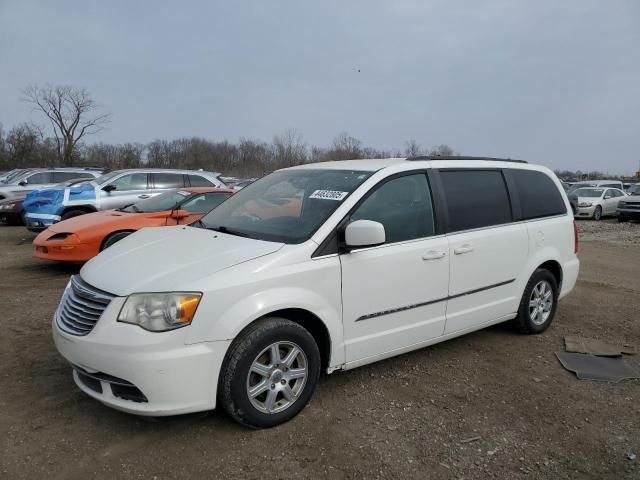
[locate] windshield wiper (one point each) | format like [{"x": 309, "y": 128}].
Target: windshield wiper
[{"x": 223, "y": 229}]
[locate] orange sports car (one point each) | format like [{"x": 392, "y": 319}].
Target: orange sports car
[{"x": 81, "y": 238}]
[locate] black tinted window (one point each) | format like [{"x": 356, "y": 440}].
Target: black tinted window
[
  {"x": 475, "y": 198},
  {"x": 539, "y": 196},
  {"x": 403, "y": 206},
  {"x": 198, "y": 181},
  {"x": 168, "y": 180}
]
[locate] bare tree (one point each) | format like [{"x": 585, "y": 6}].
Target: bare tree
[
  {"x": 72, "y": 113},
  {"x": 442, "y": 150},
  {"x": 289, "y": 148},
  {"x": 412, "y": 148},
  {"x": 23, "y": 145},
  {"x": 345, "y": 147}
]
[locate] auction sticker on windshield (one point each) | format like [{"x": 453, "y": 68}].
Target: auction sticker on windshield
[{"x": 329, "y": 195}]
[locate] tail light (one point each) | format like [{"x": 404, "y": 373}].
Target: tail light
[{"x": 576, "y": 240}]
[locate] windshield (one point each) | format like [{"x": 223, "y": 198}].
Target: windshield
[
  {"x": 286, "y": 206},
  {"x": 634, "y": 190},
  {"x": 159, "y": 203},
  {"x": 9, "y": 176},
  {"x": 18, "y": 176},
  {"x": 589, "y": 192}
]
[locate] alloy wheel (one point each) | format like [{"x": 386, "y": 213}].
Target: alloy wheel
[
  {"x": 540, "y": 302},
  {"x": 277, "y": 377}
]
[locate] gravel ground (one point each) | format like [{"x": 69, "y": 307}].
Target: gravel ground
[
  {"x": 492, "y": 404},
  {"x": 610, "y": 230}
]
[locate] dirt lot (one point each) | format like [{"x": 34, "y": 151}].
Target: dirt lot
[{"x": 406, "y": 417}]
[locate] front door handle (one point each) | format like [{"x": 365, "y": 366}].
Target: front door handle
[
  {"x": 144, "y": 196},
  {"x": 433, "y": 255},
  {"x": 462, "y": 249}
]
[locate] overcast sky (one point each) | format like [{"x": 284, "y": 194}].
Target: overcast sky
[{"x": 553, "y": 82}]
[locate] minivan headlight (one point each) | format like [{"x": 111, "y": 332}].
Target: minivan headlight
[{"x": 159, "y": 312}]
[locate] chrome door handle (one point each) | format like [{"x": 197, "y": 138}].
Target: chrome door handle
[
  {"x": 466, "y": 248},
  {"x": 144, "y": 196},
  {"x": 433, "y": 255}
]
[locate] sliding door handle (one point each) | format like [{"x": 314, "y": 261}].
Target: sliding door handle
[
  {"x": 462, "y": 249},
  {"x": 433, "y": 255}
]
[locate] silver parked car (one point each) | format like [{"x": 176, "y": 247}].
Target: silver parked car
[
  {"x": 112, "y": 190},
  {"x": 36, "y": 178}
]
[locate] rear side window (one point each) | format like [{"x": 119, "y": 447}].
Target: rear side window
[
  {"x": 403, "y": 206},
  {"x": 168, "y": 180},
  {"x": 475, "y": 198},
  {"x": 198, "y": 181},
  {"x": 539, "y": 196}
]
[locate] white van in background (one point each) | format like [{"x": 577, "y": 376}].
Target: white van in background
[{"x": 320, "y": 267}]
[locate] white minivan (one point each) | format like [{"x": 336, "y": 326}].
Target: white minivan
[{"x": 316, "y": 268}]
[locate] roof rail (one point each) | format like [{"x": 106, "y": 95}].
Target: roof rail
[{"x": 462, "y": 157}]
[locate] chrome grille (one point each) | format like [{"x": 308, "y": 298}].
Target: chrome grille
[{"x": 81, "y": 307}]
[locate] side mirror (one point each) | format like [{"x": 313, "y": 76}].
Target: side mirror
[
  {"x": 179, "y": 214},
  {"x": 23, "y": 183},
  {"x": 109, "y": 188},
  {"x": 364, "y": 233}
]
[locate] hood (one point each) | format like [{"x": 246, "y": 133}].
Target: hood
[
  {"x": 91, "y": 220},
  {"x": 37, "y": 198},
  {"x": 169, "y": 258}
]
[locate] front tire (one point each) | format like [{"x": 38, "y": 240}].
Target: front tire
[
  {"x": 269, "y": 374},
  {"x": 597, "y": 213},
  {"x": 538, "y": 304}
]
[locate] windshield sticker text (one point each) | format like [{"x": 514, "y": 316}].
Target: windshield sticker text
[{"x": 329, "y": 195}]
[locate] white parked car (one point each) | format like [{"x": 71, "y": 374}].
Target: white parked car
[
  {"x": 596, "y": 203},
  {"x": 321, "y": 267}
]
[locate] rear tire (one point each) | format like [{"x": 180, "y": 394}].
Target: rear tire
[
  {"x": 538, "y": 304},
  {"x": 72, "y": 213},
  {"x": 597, "y": 213},
  {"x": 113, "y": 238},
  {"x": 269, "y": 374}
]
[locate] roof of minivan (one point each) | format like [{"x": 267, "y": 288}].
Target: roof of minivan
[{"x": 375, "y": 164}]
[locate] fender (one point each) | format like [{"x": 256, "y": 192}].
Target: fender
[
  {"x": 544, "y": 254},
  {"x": 230, "y": 322}
]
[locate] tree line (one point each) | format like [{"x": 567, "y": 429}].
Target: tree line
[{"x": 25, "y": 145}]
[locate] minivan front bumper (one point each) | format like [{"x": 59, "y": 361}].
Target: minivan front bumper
[{"x": 156, "y": 374}]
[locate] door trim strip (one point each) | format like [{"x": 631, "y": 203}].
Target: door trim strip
[{"x": 431, "y": 302}]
